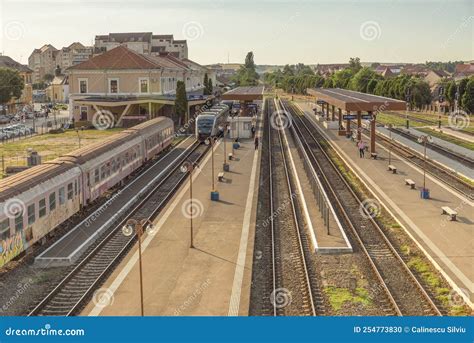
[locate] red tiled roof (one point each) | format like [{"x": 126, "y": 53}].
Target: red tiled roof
[{"x": 117, "y": 58}]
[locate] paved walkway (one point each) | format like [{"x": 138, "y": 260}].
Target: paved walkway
[
  {"x": 213, "y": 279},
  {"x": 431, "y": 154},
  {"x": 448, "y": 244}
]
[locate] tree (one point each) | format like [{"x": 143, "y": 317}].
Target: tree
[
  {"x": 180, "y": 103},
  {"x": 247, "y": 74},
  {"x": 462, "y": 87},
  {"x": 371, "y": 86},
  {"x": 328, "y": 83},
  {"x": 206, "y": 84},
  {"x": 361, "y": 79},
  {"x": 354, "y": 64},
  {"x": 210, "y": 87},
  {"x": 48, "y": 77},
  {"x": 450, "y": 91},
  {"x": 467, "y": 101},
  {"x": 11, "y": 86}
]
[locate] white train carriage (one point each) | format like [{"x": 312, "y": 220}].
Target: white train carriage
[
  {"x": 106, "y": 163},
  {"x": 157, "y": 135},
  {"x": 34, "y": 202}
]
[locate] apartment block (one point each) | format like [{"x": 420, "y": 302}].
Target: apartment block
[{"x": 142, "y": 42}]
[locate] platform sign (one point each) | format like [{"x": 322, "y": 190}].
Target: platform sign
[
  {"x": 367, "y": 116},
  {"x": 320, "y": 102},
  {"x": 349, "y": 116}
]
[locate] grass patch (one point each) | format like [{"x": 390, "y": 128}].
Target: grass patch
[
  {"x": 405, "y": 249},
  {"x": 424, "y": 270},
  {"x": 339, "y": 296},
  {"x": 50, "y": 146},
  {"x": 385, "y": 118},
  {"x": 448, "y": 138}
]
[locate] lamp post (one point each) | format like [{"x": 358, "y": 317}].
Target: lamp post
[
  {"x": 225, "y": 166},
  {"x": 214, "y": 194},
  {"x": 407, "y": 98},
  {"x": 424, "y": 139},
  {"x": 389, "y": 127},
  {"x": 188, "y": 167},
  {"x": 127, "y": 230}
]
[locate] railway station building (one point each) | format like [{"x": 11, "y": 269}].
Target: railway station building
[{"x": 131, "y": 87}]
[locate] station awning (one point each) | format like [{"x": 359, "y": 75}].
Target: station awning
[
  {"x": 352, "y": 101},
  {"x": 244, "y": 93}
]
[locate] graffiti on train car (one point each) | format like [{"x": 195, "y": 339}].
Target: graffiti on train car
[{"x": 14, "y": 245}]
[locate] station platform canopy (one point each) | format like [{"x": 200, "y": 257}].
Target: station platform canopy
[
  {"x": 353, "y": 101},
  {"x": 244, "y": 93}
]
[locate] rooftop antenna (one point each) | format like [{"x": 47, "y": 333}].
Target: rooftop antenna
[{"x": 228, "y": 57}]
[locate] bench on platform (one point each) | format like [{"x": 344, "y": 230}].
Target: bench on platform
[
  {"x": 392, "y": 168},
  {"x": 220, "y": 176},
  {"x": 450, "y": 212},
  {"x": 230, "y": 156},
  {"x": 373, "y": 155},
  {"x": 410, "y": 182}
]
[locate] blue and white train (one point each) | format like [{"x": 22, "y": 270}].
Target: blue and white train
[{"x": 212, "y": 122}]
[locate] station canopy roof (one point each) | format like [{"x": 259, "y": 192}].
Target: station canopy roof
[
  {"x": 244, "y": 93},
  {"x": 348, "y": 100}
]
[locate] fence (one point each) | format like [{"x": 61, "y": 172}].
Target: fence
[{"x": 39, "y": 129}]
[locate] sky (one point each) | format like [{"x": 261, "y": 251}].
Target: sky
[{"x": 277, "y": 31}]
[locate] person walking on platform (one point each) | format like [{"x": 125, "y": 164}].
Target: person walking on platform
[
  {"x": 256, "y": 143},
  {"x": 361, "y": 146}
]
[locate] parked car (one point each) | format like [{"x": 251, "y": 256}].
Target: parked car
[{"x": 4, "y": 119}]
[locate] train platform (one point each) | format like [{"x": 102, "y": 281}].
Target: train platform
[
  {"x": 71, "y": 246},
  {"x": 327, "y": 238},
  {"x": 214, "y": 277},
  {"x": 448, "y": 244},
  {"x": 434, "y": 155},
  {"x": 457, "y": 134}
]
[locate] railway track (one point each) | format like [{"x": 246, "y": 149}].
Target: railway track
[
  {"x": 293, "y": 286},
  {"x": 78, "y": 287},
  {"x": 405, "y": 293},
  {"x": 448, "y": 177},
  {"x": 469, "y": 162}
]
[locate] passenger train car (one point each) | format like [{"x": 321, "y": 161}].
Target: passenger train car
[
  {"x": 212, "y": 122},
  {"x": 35, "y": 201}
]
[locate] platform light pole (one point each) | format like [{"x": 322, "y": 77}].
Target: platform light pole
[
  {"x": 214, "y": 194},
  {"x": 424, "y": 139},
  {"x": 225, "y": 166},
  {"x": 389, "y": 127},
  {"x": 188, "y": 167},
  {"x": 407, "y": 99},
  {"x": 137, "y": 226}
]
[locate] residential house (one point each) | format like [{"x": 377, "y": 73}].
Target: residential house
[
  {"x": 433, "y": 77},
  {"x": 132, "y": 86},
  {"x": 58, "y": 90},
  {"x": 463, "y": 70},
  {"x": 142, "y": 42},
  {"x": 27, "y": 75}
]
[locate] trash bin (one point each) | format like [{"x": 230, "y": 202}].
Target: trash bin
[
  {"x": 236, "y": 145},
  {"x": 226, "y": 167},
  {"x": 425, "y": 193},
  {"x": 215, "y": 196}
]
